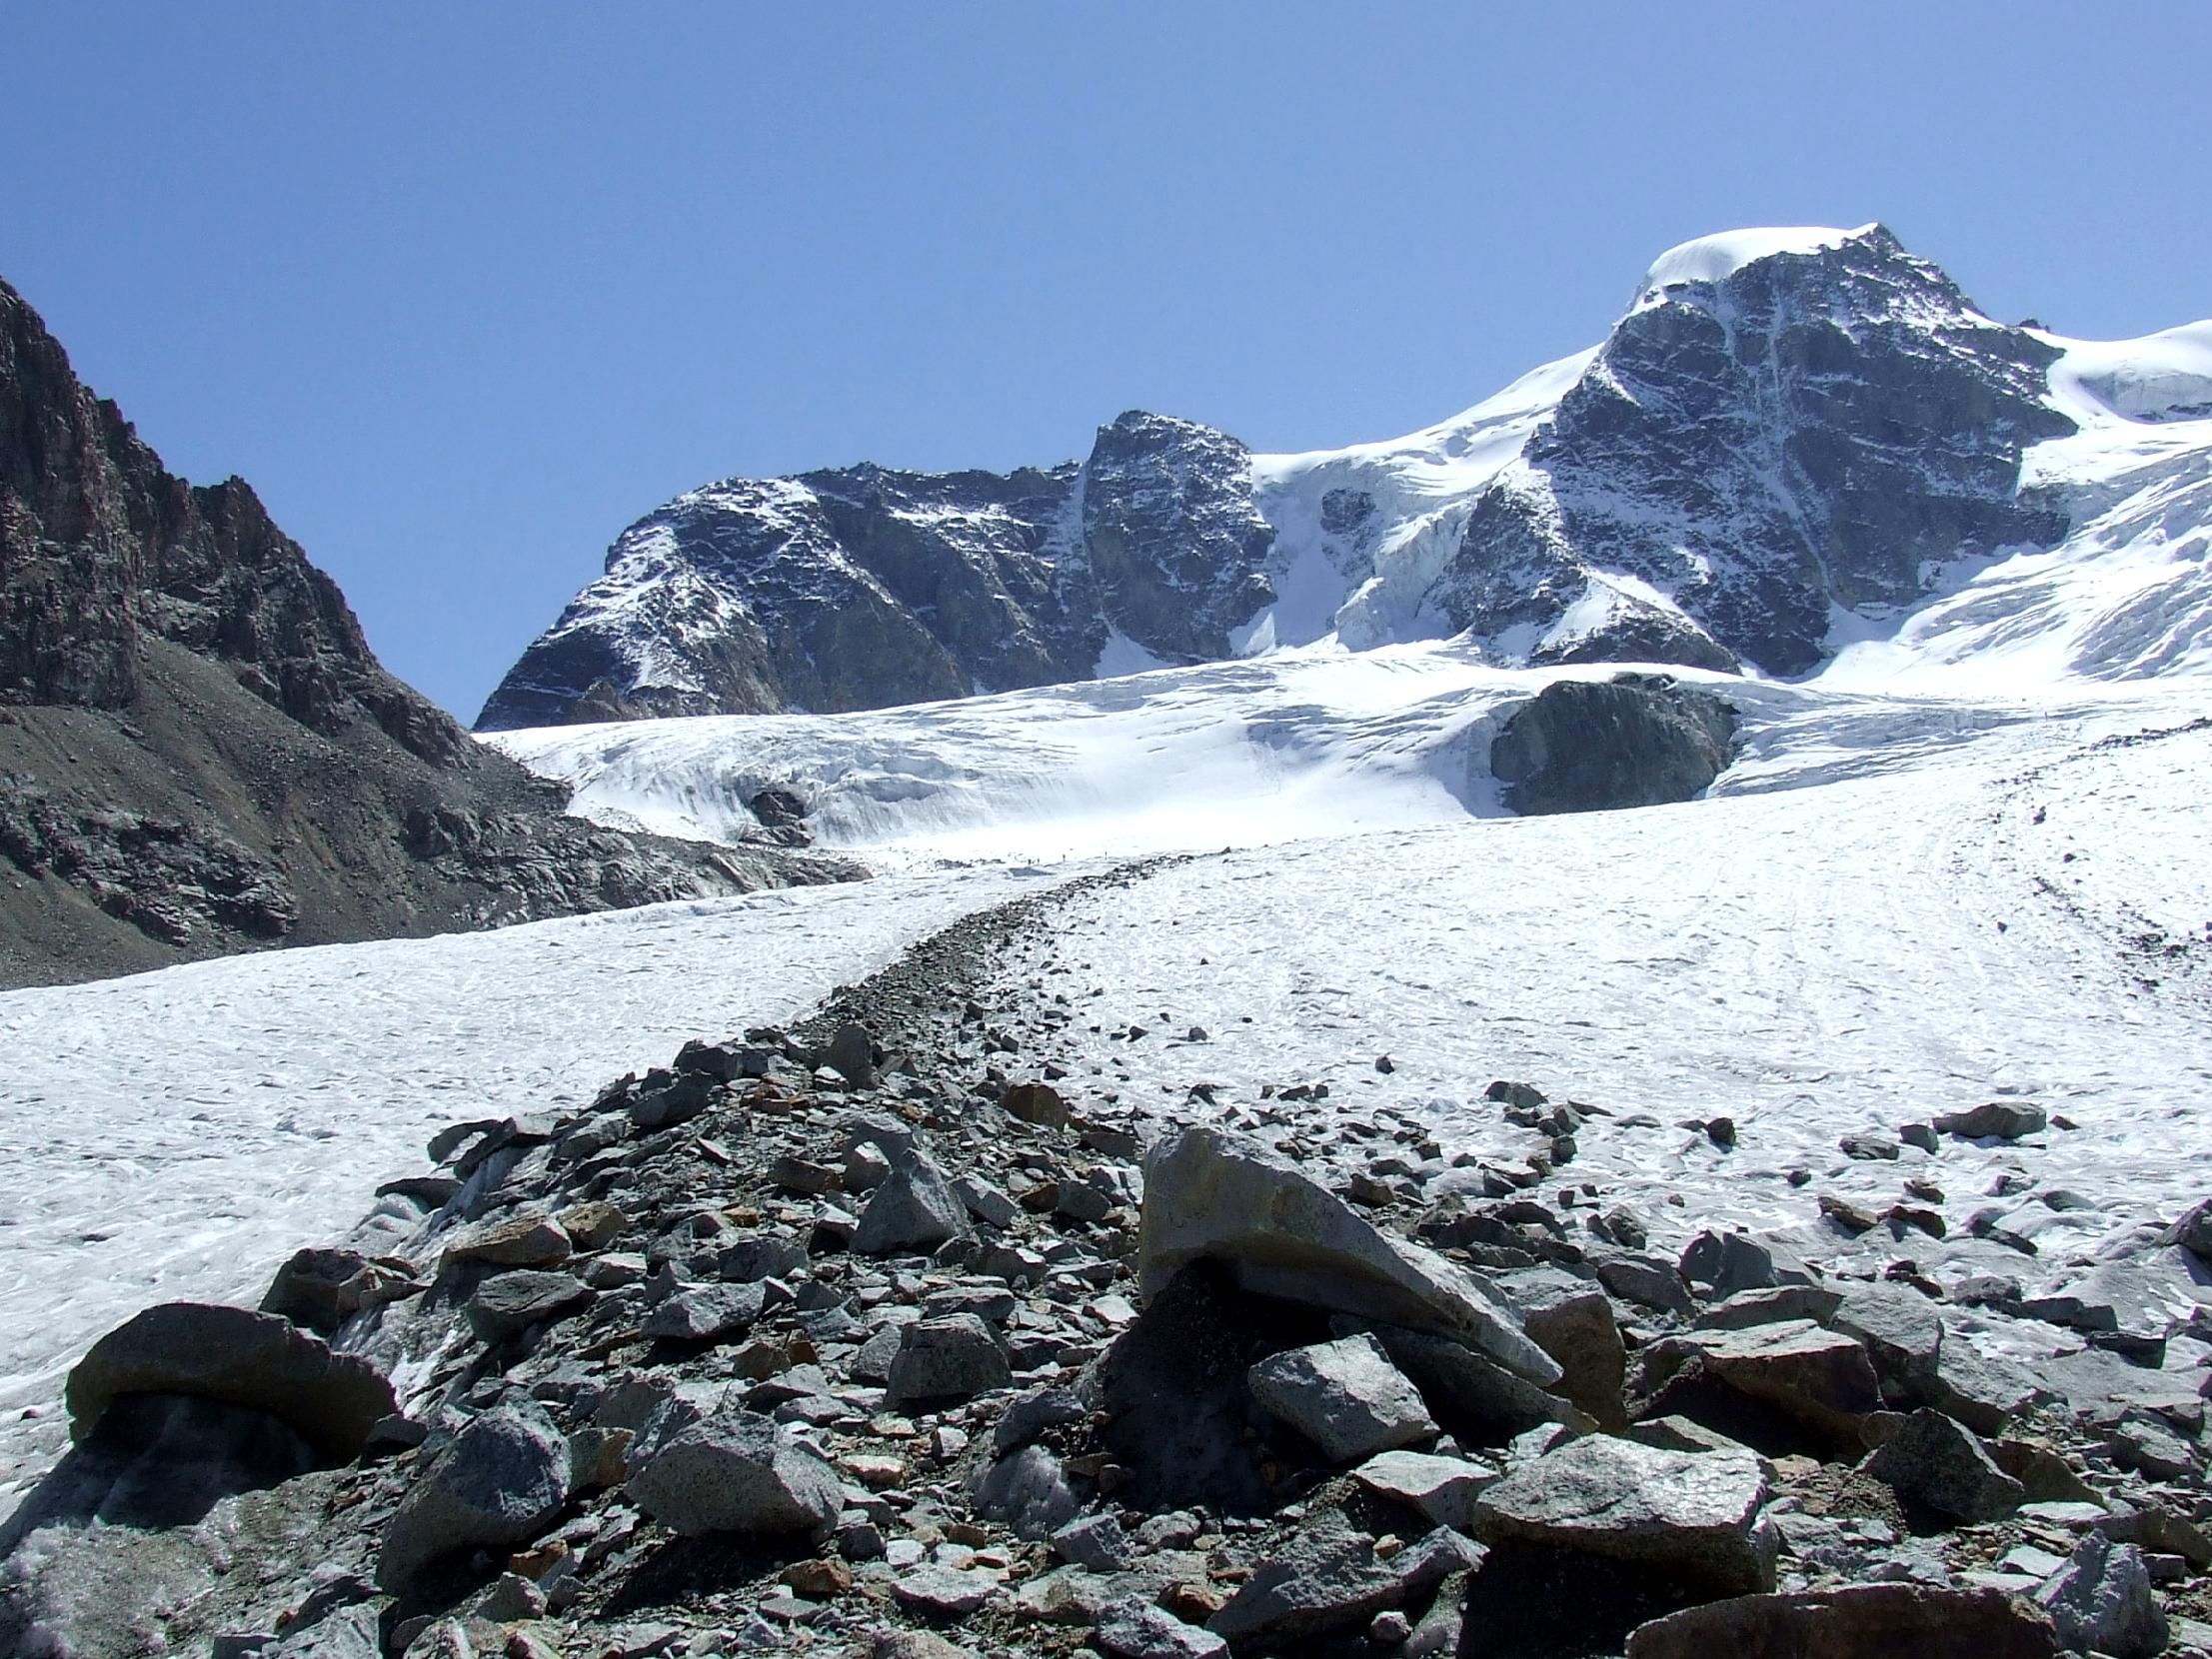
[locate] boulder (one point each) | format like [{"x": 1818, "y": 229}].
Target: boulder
[
  {"x": 1132, "y": 1629},
  {"x": 1442, "y": 1488},
  {"x": 1937, "y": 1465},
  {"x": 1572, "y": 1319},
  {"x": 1774, "y": 1305},
  {"x": 1027, "y": 1491},
  {"x": 2101, "y": 1601},
  {"x": 1344, "y": 1396},
  {"x": 527, "y": 1238},
  {"x": 321, "y": 1289},
  {"x": 1820, "y": 1378},
  {"x": 1037, "y": 1103},
  {"x": 1696, "y": 1514},
  {"x": 852, "y": 1055},
  {"x": 731, "y": 1471},
  {"x": 1332, "y": 1580},
  {"x": 1210, "y": 1195},
  {"x": 1983, "y": 1391},
  {"x": 236, "y": 1357},
  {"x": 2194, "y": 1232},
  {"x": 912, "y": 1209},
  {"x": 510, "y": 1302},
  {"x": 1994, "y": 1120},
  {"x": 1912, "y": 1621},
  {"x": 502, "y": 1480},
  {"x": 1640, "y": 740},
  {"x": 593, "y": 1225},
  {"x": 707, "y": 1313},
  {"x": 1475, "y": 1396},
  {"x": 1899, "y": 1328},
  {"x": 1096, "y": 1542},
  {"x": 1730, "y": 1262},
  {"x": 952, "y": 1358}
]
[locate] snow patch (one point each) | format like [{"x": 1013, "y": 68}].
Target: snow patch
[{"x": 1721, "y": 256}]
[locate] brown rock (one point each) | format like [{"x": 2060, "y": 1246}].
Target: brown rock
[
  {"x": 257, "y": 1360},
  {"x": 531, "y": 1238},
  {"x": 820, "y": 1580},
  {"x": 593, "y": 1225},
  {"x": 1907, "y": 1621}
]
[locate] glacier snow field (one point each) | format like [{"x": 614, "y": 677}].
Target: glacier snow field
[{"x": 1894, "y": 904}]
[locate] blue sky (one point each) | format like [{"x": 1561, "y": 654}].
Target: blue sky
[{"x": 464, "y": 290}]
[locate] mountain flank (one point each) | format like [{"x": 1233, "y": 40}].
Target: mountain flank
[{"x": 199, "y": 753}]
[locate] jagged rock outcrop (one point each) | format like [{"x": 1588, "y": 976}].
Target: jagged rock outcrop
[
  {"x": 1812, "y": 429},
  {"x": 864, "y": 586},
  {"x": 1784, "y": 432},
  {"x": 200, "y": 753}
]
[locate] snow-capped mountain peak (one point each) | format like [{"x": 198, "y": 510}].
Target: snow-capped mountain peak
[{"x": 1797, "y": 447}]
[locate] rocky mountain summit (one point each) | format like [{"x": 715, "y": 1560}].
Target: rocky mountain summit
[
  {"x": 865, "y": 587},
  {"x": 199, "y": 751},
  {"x": 890, "y": 1334},
  {"x": 1793, "y": 441}
]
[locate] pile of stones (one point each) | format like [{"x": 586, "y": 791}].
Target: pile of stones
[{"x": 812, "y": 1342}]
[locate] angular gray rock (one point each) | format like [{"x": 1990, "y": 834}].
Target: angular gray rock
[
  {"x": 953, "y": 1358},
  {"x": 529, "y": 1238},
  {"x": 1213, "y": 1195},
  {"x": 1096, "y": 1542},
  {"x": 1731, "y": 1263},
  {"x": 1822, "y": 1378},
  {"x": 229, "y": 1354},
  {"x": 914, "y": 1208},
  {"x": 2101, "y": 1601},
  {"x": 1465, "y": 1385},
  {"x": 1328, "y": 1580},
  {"x": 733, "y": 1471},
  {"x": 505, "y": 1476},
  {"x": 707, "y": 1313},
  {"x": 1136, "y": 1630},
  {"x": 1583, "y": 746},
  {"x": 319, "y": 1289},
  {"x": 1900, "y": 1329},
  {"x": 1344, "y": 1396},
  {"x": 507, "y": 1304},
  {"x": 1572, "y": 1319},
  {"x": 1696, "y": 1513},
  {"x": 1026, "y": 1490},
  {"x": 1442, "y": 1488},
  {"x": 1938, "y": 1464}
]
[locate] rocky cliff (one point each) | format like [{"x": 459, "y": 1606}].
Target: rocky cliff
[
  {"x": 198, "y": 749},
  {"x": 864, "y": 586},
  {"x": 1790, "y": 441}
]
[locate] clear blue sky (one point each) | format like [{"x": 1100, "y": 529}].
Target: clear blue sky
[{"x": 465, "y": 289}]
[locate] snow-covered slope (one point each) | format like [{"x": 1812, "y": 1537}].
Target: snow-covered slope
[
  {"x": 1795, "y": 443},
  {"x": 1894, "y": 903}
]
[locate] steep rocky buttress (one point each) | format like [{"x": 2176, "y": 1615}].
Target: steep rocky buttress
[{"x": 199, "y": 753}]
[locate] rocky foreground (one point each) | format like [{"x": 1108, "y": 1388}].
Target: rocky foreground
[{"x": 884, "y": 1335}]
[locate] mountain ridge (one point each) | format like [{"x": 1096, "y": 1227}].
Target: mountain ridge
[{"x": 1790, "y": 441}]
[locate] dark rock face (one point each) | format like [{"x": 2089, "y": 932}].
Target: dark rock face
[
  {"x": 1639, "y": 740},
  {"x": 1813, "y": 431},
  {"x": 101, "y": 548},
  {"x": 864, "y": 587},
  {"x": 199, "y": 753}
]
